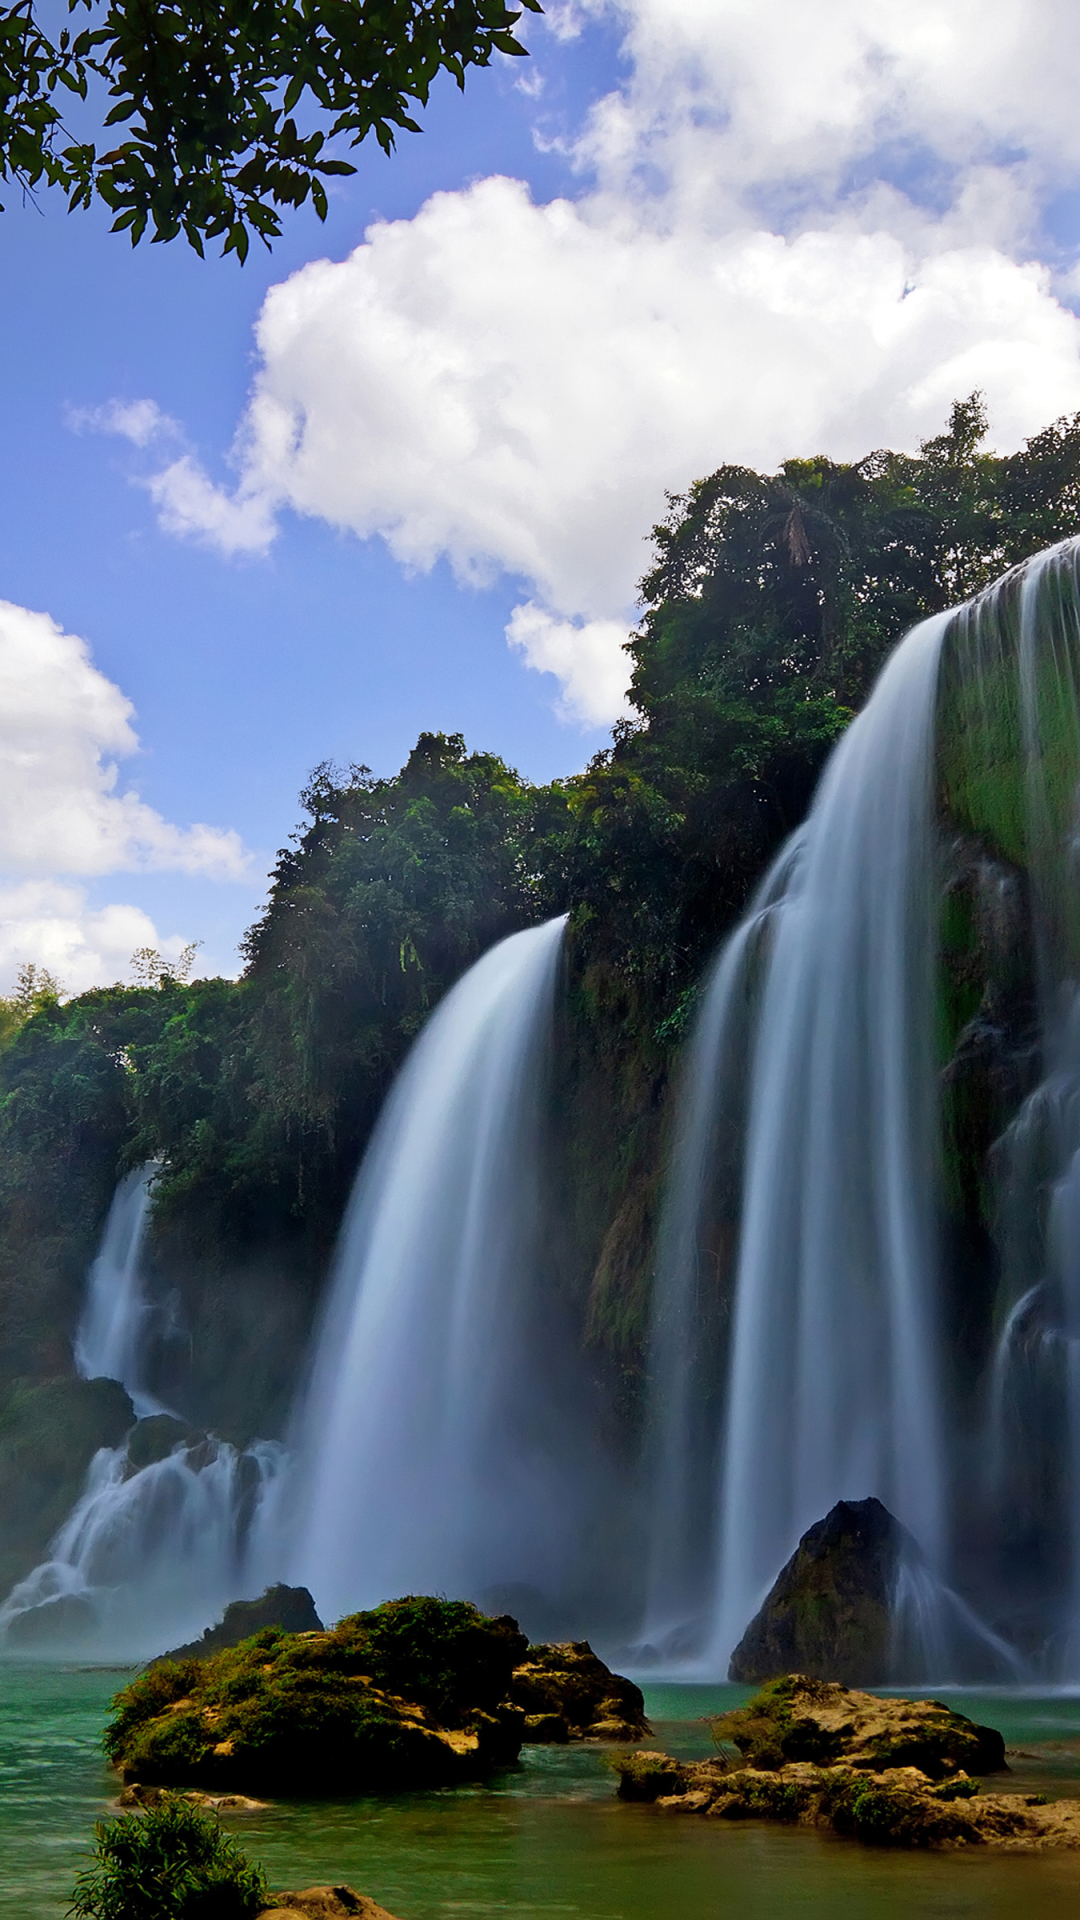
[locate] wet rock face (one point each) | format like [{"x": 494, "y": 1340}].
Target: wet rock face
[
  {"x": 291, "y": 1608},
  {"x": 829, "y": 1613},
  {"x": 567, "y": 1693}
]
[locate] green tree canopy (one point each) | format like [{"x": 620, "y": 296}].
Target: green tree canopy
[{"x": 207, "y": 93}]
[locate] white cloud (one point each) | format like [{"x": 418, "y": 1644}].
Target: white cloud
[
  {"x": 51, "y": 923},
  {"x": 745, "y": 276},
  {"x": 140, "y": 421},
  {"x": 63, "y": 726},
  {"x": 588, "y": 657}
]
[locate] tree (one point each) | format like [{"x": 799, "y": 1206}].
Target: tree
[{"x": 207, "y": 91}]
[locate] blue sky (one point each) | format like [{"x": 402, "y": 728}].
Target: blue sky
[{"x": 735, "y": 243}]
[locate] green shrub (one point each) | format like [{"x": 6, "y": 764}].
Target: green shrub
[{"x": 171, "y": 1863}]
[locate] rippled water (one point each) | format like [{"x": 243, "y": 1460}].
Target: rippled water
[{"x": 549, "y": 1839}]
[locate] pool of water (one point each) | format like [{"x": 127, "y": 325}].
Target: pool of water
[{"x": 548, "y": 1839}]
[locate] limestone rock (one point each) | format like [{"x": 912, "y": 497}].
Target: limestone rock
[
  {"x": 291, "y": 1608},
  {"x": 829, "y": 1613},
  {"x": 891, "y": 1772},
  {"x": 324, "y": 1903},
  {"x": 567, "y": 1692},
  {"x": 797, "y": 1718}
]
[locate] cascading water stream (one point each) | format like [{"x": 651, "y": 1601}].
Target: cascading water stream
[
  {"x": 434, "y": 1430},
  {"x": 801, "y": 1341},
  {"x": 150, "y": 1553},
  {"x": 111, "y": 1337}
]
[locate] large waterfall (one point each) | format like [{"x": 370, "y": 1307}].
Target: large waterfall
[
  {"x": 434, "y": 1429},
  {"x": 812, "y": 1340}
]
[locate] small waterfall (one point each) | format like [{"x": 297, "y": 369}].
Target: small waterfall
[
  {"x": 434, "y": 1423},
  {"x": 148, "y": 1557},
  {"x": 150, "y": 1553},
  {"x": 111, "y": 1338}
]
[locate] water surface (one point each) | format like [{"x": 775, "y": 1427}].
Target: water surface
[{"x": 549, "y": 1839}]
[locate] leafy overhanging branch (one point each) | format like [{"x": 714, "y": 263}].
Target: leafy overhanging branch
[{"x": 208, "y": 91}]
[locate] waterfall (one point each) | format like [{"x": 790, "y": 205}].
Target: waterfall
[
  {"x": 803, "y": 1345},
  {"x": 111, "y": 1337},
  {"x": 148, "y": 1556},
  {"x": 155, "y": 1547},
  {"x": 434, "y": 1423},
  {"x": 818, "y": 1029}
]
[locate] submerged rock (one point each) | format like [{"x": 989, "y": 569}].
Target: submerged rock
[
  {"x": 829, "y": 1614},
  {"x": 291, "y": 1608},
  {"x": 892, "y": 1772},
  {"x": 412, "y": 1694},
  {"x": 567, "y": 1693}
]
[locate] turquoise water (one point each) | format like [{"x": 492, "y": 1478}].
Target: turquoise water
[{"x": 548, "y": 1840}]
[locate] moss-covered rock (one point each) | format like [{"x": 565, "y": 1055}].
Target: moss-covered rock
[
  {"x": 324, "y": 1903},
  {"x": 566, "y": 1692},
  {"x": 800, "y": 1719},
  {"x": 409, "y": 1695},
  {"x": 50, "y": 1431},
  {"x": 818, "y": 1755},
  {"x": 829, "y": 1613}
]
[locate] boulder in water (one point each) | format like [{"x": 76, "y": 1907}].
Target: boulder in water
[
  {"x": 64, "y": 1621},
  {"x": 324, "y": 1903},
  {"x": 567, "y": 1693},
  {"x": 291, "y": 1608},
  {"x": 154, "y": 1438},
  {"x": 829, "y": 1614},
  {"x": 801, "y": 1719},
  {"x": 412, "y": 1694}
]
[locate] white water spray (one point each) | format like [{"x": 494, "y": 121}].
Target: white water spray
[{"x": 431, "y": 1438}]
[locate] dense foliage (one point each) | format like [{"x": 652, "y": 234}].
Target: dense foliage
[
  {"x": 170, "y": 1863},
  {"x": 771, "y": 604},
  {"x": 206, "y": 95}
]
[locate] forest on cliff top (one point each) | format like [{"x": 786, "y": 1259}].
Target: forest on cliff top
[{"x": 769, "y": 608}]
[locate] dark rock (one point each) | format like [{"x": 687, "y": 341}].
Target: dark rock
[
  {"x": 567, "y": 1682},
  {"x": 291, "y": 1608},
  {"x": 546, "y": 1729},
  {"x": 829, "y": 1614},
  {"x": 65, "y": 1621},
  {"x": 647, "y": 1776},
  {"x": 154, "y": 1438}
]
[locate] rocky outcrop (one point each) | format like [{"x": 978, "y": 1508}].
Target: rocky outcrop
[
  {"x": 829, "y": 1614},
  {"x": 324, "y": 1903},
  {"x": 567, "y": 1693},
  {"x": 799, "y": 1718},
  {"x": 893, "y": 1772},
  {"x": 290, "y": 1608},
  {"x": 412, "y": 1694}
]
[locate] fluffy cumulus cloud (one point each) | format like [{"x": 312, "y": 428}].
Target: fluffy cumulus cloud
[
  {"x": 65, "y": 815},
  {"x": 53, "y": 925},
  {"x": 803, "y": 225}
]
